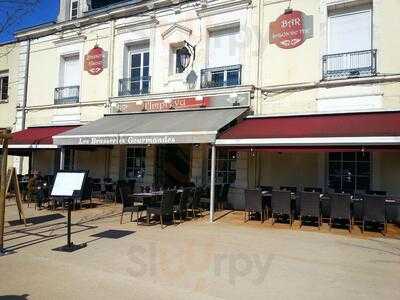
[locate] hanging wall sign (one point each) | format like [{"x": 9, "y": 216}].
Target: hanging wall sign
[
  {"x": 95, "y": 61},
  {"x": 291, "y": 29}
]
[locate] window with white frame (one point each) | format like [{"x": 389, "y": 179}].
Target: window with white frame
[
  {"x": 4, "y": 87},
  {"x": 224, "y": 67},
  {"x": 224, "y": 47},
  {"x": 175, "y": 65},
  {"x": 350, "y": 29},
  {"x": 349, "y": 171},
  {"x": 74, "y": 6},
  {"x": 349, "y": 52},
  {"x": 136, "y": 163},
  {"x": 69, "y": 79},
  {"x": 225, "y": 166},
  {"x": 139, "y": 69}
]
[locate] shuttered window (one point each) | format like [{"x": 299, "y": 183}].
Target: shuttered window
[
  {"x": 224, "y": 46},
  {"x": 350, "y": 30}
]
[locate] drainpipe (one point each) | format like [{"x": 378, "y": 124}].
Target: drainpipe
[
  {"x": 111, "y": 66},
  {"x": 25, "y": 97}
]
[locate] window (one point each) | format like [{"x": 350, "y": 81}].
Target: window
[
  {"x": 178, "y": 66},
  {"x": 4, "y": 87},
  {"x": 74, "y": 10},
  {"x": 349, "y": 171},
  {"x": 136, "y": 163},
  {"x": 139, "y": 68},
  {"x": 223, "y": 47},
  {"x": 350, "y": 29},
  {"x": 225, "y": 166},
  {"x": 350, "y": 52},
  {"x": 70, "y": 70},
  {"x": 69, "y": 80},
  {"x": 224, "y": 67}
]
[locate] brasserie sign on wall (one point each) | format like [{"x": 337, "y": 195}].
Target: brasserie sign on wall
[
  {"x": 95, "y": 61},
  {"x": 160, "y": 105},
  {"x": 291, "y": 29}
]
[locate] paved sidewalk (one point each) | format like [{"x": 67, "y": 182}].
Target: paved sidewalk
[{"x": 195, "y": 260}]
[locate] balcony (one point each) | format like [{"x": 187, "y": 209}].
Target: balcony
[
  {"x": 221, "y": 77},
  {"x": 349, "y": 65},
  {"x": 134, "y": 86},
  {"x": 66, "y": 95}
]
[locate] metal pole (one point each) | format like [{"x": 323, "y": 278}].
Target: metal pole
[
  {"x": 62, "y": 158},
  {"x": 3, "y": 183},
  {"x": 212, "y": 183}
]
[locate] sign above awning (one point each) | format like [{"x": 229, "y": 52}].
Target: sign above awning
[
  {"x": 172, "y": 127},
  {"x": 380, "y": 128}
]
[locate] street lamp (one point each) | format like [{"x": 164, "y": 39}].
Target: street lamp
[{"x": 185, "y": 54}]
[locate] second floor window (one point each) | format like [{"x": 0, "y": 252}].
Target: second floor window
[
  {"x": 349, "y": 52},
  {"x": 139, "y": 71},
  {"x": 74, "y": 9},
  {"x": 69, "y": 80},
  {"x": 223, "y": 58},
  {"x": 3, "y": 87}
]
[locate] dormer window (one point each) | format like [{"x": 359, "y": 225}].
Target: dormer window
[{"x": 74, "y": 9}]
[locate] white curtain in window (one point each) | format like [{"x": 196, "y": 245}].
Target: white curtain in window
[
  {"x": 224, "y": 47},
  {"x": 350, "y": 30},
  {"x": 71, "y": 72}
]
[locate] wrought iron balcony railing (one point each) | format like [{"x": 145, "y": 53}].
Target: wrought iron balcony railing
[
  {"x": 134, "y": 86},
  {"x": 221, "y": 77},
  {"x": 66, "y": 95},
  {"x": 349, "y": 65}
]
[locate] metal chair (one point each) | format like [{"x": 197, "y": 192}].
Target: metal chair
[
  {"x": 281, "y": 205},
  {"x": 340, "y": 208},
  {"x": 223, "y": 197},
  {"x": 313, "y": 189},
  {"x": 292, "y": 189},
  {"x": 128, "y": 204},
  {"x": 165, "y": 208},
  {"x": 310, "y": 206},
  {"x": 374, "y": 210},
  {"x": 254, "y": 203}
]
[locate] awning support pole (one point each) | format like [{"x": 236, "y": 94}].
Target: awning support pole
[
  {"x": 62, "y": 158},
  {"x": 212, "y": 183}
]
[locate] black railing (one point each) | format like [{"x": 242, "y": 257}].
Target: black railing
[
  {"x": 349, "y": 65},
  {"x": 66, "y": 95},
  {"x": 134, "y": 86},
  {"x": 221, "y": 77}
]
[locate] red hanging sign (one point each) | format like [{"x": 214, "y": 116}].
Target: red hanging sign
[
  {"x": 291, "y": 29},
  {"x": 95, "y": 61}
]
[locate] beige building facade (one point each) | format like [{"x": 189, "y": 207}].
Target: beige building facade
[{"x": 344, "y": 62}]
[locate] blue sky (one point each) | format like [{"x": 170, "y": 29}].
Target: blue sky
[{"x": 45, "y": 11}]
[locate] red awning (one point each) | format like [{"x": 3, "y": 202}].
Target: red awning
[
  {"x": 324, "y": 131},
  {"x": 37, "y": 137}
]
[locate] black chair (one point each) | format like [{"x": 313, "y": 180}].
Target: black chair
[
  {"x": 281, "y": 205},
  {"x": 340, "y": 208},
  {"x": 310, "y": 206},
  {"x": 194, "y": 202},
  {"x": 254, "y": 203},
  {"x": 374, "y": 210},
  {"x": 181, "y": 207},
  {"x": 313, "y": 190},
  {"x": 96, "y": 188},
  {"x": 128, "y": 204},
  {"x": 223, "y": 196},
  {"x": 378, "y": 193},
  {"x": 292, "y": 189},
  {"x": 164, "y": 208}
]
